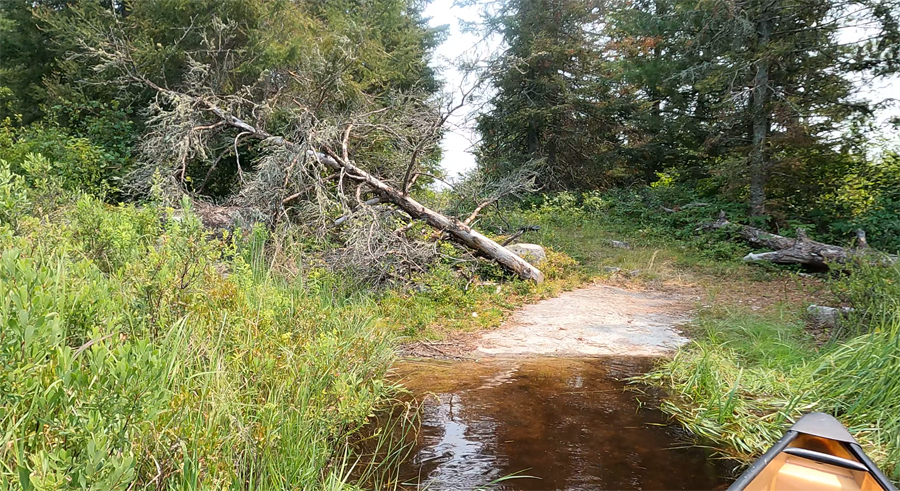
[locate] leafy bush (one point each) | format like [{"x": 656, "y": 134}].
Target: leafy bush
[
  {"x": 70, "y": 413},
  {"x": 13, "y": 196},
  {"x": 48, "y": 157},
  {"x": 870, "y": 200}
]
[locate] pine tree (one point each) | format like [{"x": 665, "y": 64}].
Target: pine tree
[
  {"x": 764, "y": 85},
  {"x": 553, "y": 102}
]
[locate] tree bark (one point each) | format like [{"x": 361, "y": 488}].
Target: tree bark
[
  {"x": 458, "y": 230},
  {"x": 760, "y": 118}
]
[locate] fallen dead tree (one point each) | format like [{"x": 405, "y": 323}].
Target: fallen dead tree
[
  {"x": 802, "y": 249},
  {"x": 307, "y": 170},
  {"x": 459, "y": 230}
]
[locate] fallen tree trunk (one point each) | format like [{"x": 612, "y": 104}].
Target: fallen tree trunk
[
  {"x": 800, "y": 250},
  {"x": 460, "y": 231},
  {"x": 457, "y": 229}
]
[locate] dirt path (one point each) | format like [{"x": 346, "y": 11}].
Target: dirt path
[{"x": 595, "y": 321}]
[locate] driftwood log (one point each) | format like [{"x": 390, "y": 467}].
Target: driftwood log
[
  {"x": 802, "y": 249},
  {"x": 458, "y": 230}
]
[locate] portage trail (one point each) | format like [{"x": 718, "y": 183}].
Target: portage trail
[{"x": 599, "y": 320}]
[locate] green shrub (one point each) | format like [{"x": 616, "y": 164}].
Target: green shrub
[
  {"x": 137, "y": 349},
  {"x": 868, "y": 199},
  {"x": 70, "y": 414},
  {"x": 50, "y": 159},
  {"x": 14, "y": 200},
  {"x": 112, "y": 239}
]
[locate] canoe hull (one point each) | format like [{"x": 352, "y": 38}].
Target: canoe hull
[{"x": 817, "y": 453}]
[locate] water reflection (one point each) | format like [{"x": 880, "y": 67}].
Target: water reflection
[
  {"x": 569, "y": 423},
  {"x": 454, "y": 446}
]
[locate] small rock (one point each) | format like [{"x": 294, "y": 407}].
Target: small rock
[
  {"x": 611, "y": 269},
  {"x": 634, "y": 273},
  {"x": 826, "y": 317},
  {"x": 619, "y": 244},
  {"x": 532, "y": 253}
]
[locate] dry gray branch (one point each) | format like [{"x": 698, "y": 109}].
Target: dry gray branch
[
  {"x": 298, "y": 176},
  {"x": 801, "y": 250}
]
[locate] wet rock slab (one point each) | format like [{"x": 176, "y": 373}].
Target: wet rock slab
[{"x": 596, "y": 321}]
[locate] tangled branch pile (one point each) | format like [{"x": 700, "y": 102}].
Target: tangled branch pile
[{"x": 295, "y": 147}]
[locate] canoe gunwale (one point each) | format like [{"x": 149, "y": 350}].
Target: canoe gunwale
[
  {"x": 763, "y": 462},
  {"x": 819, "y": 425},
  {"x": 857, "y": 452}
]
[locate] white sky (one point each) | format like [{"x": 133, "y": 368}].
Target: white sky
[{"x": 459, "y": 139}]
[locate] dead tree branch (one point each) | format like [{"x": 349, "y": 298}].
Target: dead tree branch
[
  {"x": 800, "y": 250},
  {"x": 460, "y": 231}
]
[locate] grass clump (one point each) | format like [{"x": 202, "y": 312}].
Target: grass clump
[{"x": 748, "y": 376}]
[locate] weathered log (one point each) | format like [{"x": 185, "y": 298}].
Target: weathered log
[
  {"x": 805, "y": 251},
  {"x": 800, "y": 250},
  {"x": 460, "y": 231},
  {"x": 457, "y": 229},
  {"x": 753, "y": 235}
]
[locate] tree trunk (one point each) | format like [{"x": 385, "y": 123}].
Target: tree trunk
[
  {"x": 461, "y": 232},
  {"x": 457, "y": 229},
  {"x": 760, "y": 118}
]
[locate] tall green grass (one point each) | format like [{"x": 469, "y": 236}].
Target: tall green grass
[
  {"x": 748, "y": 376},
  {"x": 137, "y": 351}
]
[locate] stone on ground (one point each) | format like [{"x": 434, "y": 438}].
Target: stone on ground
[{"x": 532, "y": 253}]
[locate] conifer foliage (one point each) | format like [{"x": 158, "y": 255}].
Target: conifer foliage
[{"x": 758, "y": 101}]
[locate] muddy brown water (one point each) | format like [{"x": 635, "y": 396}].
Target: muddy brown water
[{"x": 570, "y": 424}]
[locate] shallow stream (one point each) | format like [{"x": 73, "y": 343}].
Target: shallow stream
[{"x": 570, "y": 424}]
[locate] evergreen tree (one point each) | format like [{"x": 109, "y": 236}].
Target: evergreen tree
[
  {"x": 351, "y": 51},
  {"x": 764, "y": 86},
  {"x": 553, "y": 101}
]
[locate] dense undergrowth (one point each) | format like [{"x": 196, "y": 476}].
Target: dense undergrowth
[{"x": 138, "y": 349}]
